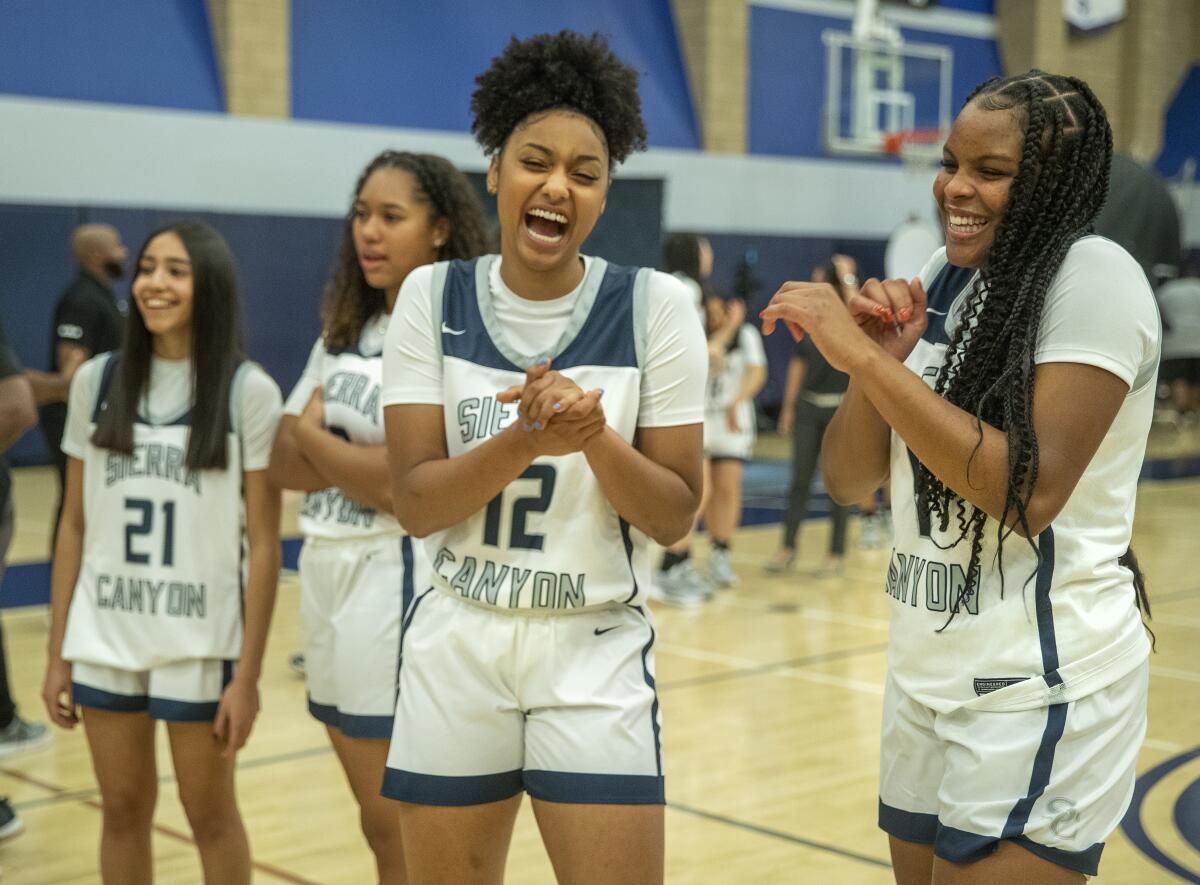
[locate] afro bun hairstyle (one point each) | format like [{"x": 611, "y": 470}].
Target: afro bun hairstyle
[{"x": 563, "y": 70}]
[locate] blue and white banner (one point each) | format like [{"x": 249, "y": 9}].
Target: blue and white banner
[{"x": 1091, "y": 15}]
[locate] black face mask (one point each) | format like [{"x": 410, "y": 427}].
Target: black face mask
[{"x": 115, "y": 269}]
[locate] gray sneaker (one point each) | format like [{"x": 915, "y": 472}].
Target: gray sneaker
[
  {"x": 21, "y": 736},
  {"x": 681, "y": 586},
  {"x": 720, "y": 569}
]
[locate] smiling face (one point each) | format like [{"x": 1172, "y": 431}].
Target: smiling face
[
  {"x": 551, "y": 182},
  {"x": 394, "y": 229},
  {"x": 163, "y": 290},
  {"x": 979, "y": 162}
]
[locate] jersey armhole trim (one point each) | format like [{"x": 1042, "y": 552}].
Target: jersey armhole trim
[
  {"x": 641, "y": 314},
  {"x": 437, "y": 295}
]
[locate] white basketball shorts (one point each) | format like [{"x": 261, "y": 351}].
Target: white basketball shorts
[
  {"x": 181, "y": 691},
  {"x": 1055, "y": 780},
  {"x": 494, "y": 702},
  {"x": 721, "y": 443},
  {"x": 352, "y": 598}
]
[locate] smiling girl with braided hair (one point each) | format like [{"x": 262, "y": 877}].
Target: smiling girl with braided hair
[{"x": 1010, "y": 389}]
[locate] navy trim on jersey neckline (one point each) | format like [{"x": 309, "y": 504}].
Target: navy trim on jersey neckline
[
  {"x": 949, "y": 283},
  {"x": 600, "y": 331},
  {"x": 108, "y": 373}
]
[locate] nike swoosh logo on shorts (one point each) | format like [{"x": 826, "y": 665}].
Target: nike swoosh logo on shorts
[
  {"x": 448, "y": 331},
  {"x": 600, "y": 632}
]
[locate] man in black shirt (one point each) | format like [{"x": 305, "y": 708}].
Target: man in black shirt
[
  {"x": 87, "y": 321},
  {"x": 17, "y": 415}
]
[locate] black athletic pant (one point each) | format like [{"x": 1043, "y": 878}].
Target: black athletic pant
[
  {"x": 7, "y": 708},
  {"x": 807, "y": 431}
]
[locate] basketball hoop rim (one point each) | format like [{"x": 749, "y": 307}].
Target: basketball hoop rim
[{"x": 894, "y": 142}]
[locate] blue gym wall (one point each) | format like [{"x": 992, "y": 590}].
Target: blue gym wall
[
  {"x": 414, "y": 64},
  {"x": 158, "y": 54}
]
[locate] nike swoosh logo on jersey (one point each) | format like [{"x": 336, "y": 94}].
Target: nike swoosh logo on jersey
[
  {"x": 446, "y": 330},
  {"x": 600, "y": 632}
]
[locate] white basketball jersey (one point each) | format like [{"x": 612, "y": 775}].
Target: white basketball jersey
[
  {"x": 1065, "y": 626},
  {"x": 351, "y": 379},
  {"x": 550, "y": 540},
  {"x": 725, "y": 383},
  {"x": 161, "y": 574}
]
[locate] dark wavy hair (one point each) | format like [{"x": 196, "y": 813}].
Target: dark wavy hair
[
  {"x": 216, "y": 352},
  {"x": 681, "y": 254},
  {"x": 349, "y": 301},
  {"x": 1060, "y": 186},
  {"x": 559, "y": 71}
]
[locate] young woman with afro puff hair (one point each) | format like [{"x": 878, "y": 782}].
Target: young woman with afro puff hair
[
  {"x": 1010, "y": 390},
  {"x": 544, "y": 418}
]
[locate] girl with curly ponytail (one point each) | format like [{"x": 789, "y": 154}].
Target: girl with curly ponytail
[
  {"x": 358, "y": 568},
  {"x": 529, "y": 659},
  {"x": 1010, "y": 389}
]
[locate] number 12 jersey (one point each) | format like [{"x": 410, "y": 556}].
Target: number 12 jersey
[{"x": 551, "y": 540}]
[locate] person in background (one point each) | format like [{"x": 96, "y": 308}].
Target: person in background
[
  {"x": 17, "y": 415},
  {"x": 87, "y": 321},
  {"x": 358, "y": 569},
  {"x": 811, "y": 395},
  {"x": 1179, "y": 303}
]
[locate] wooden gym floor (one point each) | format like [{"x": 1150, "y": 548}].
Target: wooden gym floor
[{"x": 770, "y": 695}]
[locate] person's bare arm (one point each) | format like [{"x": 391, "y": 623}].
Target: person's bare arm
[
  {"x": 68, "y": 556},
  {"x": 1073, "y": 407},
  {"x": 289, "y": 469},
  {"x": 655, "y": 484},
  {"x": 54, "y": 387},
  {"x": 856, "y": 449},
  {"x": 359, "y": 471},
  {"x": 17, "y": 413},
  {"x": 240, "y": 701},
  {"x": 432, "y": 491}
]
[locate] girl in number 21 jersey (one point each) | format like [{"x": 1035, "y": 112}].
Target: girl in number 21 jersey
[{"x": 167, "y": 444}]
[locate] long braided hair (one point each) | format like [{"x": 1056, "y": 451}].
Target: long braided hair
[
  {"x": 350, "y": 301},
  {"x": 1060, "y": 186}
]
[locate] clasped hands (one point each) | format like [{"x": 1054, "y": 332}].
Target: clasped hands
[{"x": 555, "y": 415}]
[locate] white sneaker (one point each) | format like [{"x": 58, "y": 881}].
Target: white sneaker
[
  {"x": 681, "y": 586},
  {"x": 871, "y": 535},
  {"x": 720, "y": 569}
]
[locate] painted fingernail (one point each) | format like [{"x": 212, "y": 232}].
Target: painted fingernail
[
  {"x": 537, "y": 425},
  {"x": 906, "y": 314},
  {"x": 558, "y": 407},
  {"x": 525, "y": 426},
  {"x": 879, "y": 309}
]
